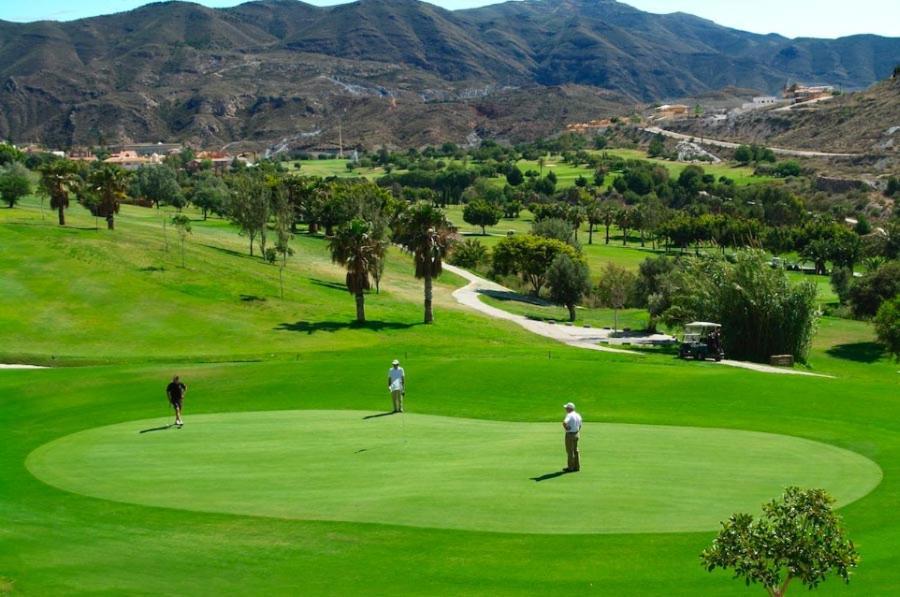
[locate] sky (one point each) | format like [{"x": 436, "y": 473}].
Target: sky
[{"x": 793, "y": 18}]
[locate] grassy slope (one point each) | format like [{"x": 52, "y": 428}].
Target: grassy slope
[{"x": 55, "y": 542}]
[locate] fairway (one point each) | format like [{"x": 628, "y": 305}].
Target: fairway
[
  {"x": 278, "y": 485},
  {"x": 445, "y": 472}
]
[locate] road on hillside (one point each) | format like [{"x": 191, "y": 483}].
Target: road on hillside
[{"x": 655, "y": 130}]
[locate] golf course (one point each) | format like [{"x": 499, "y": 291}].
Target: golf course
[{"x": 289, "y": 476}]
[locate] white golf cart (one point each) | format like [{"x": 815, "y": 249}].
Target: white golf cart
[{"x": 701, "y": 341}]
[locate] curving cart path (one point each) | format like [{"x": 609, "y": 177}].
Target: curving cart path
[{"x": 588, "y": 338}]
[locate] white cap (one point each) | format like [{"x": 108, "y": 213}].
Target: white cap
[
  {"x": 569, "y": 405},
  {"x": 395, "y": 362}
]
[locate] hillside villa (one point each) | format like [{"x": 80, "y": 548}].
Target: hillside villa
[
  {"x": 671, "y": 112},
  {"x": 802, "y": 93}
]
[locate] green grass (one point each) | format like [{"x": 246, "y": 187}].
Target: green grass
[
  {"x": 118, "y": 303},
  {"x": 332, "y": 167},
  {"x": 742, "y": 175},
  {"x": 444, "y": 472},
  {"x": 633, "y": 319},
  {"x": 566, "y": 173}
]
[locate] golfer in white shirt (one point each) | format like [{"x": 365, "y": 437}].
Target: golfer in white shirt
[
  {"x": 572, "y": 425},
  {"x": 397, "y": 385}
]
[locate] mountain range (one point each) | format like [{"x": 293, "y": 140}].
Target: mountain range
[{"x": 284, "y": 74}]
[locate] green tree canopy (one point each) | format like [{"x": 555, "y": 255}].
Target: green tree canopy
[
  {"x": 481, "y": 213},
  {"x": 869, "y": 292},
  {"x": 887, "y": 325},
  {"x": 569, "y": 280},
  {"x": 798, "y": 538},
  {"x": 210, "y": 194},
  {"x": 14, "y": 183},
  {"x": 157, "y": 184},
  {"x": 529, "y": 256}
]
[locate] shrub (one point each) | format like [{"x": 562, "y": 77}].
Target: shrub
[
  {"x": 841, "y": 280},
  {"x": 798, "y": 538},
  {"x": 469, "y": 254},
  {"x": 790, "y": 168},
  {"x": 887, "y": 326},
  {"x": 557, "y": 228},
  {"x": 869, "y": 292},
  {"x": 761, "y": 312}
]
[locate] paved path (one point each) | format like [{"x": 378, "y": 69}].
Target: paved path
[
  {"x": 573, "y": 336},
  {"x": 770, "y": 369},
  {"x": 588, "y": 338},
  {"x": 2, "y": 366},
  {"x": 781, "y": 151}
]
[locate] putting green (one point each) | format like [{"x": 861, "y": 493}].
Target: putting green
[{"x": 429, "y": 471}]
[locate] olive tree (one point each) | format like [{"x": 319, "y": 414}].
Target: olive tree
[
  {"x": 569, "y": 280},
  {"x": 797, "y": 539},
  {"x": 14, "y": 183},
  {"x": 529, "y": 256},
  {"x": 157, "y": 184}
]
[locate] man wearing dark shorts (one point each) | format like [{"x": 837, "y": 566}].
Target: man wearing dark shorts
[{"x": 175, "y": 391}]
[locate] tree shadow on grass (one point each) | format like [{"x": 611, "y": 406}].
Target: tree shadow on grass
[
  {"x": 548, "y": 476},
  {"x": 502, "y": 295},
  {"x": 329, "y": 284},
  {"x": 310, "y": 327},
  {"x": 231, "y": 252},
  {"x": 861, "y": 352}
]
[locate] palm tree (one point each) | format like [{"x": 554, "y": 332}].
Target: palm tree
[
  {"x": 355, "y": 248},
  {"x": 424, "y": 230},
  {"x": 110, "y": 184},
  {"x": 608, "y": 210},
  {"x": 57, "y": 179}
]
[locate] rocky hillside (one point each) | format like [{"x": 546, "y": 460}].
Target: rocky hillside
[
  {"x": 865, "y": 122},
  {"x": 401, "y": 72}
]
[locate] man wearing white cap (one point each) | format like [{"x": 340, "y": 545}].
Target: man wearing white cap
[
  {"x": 572, "y": 425},
  {"x": 397, "y": 385}
]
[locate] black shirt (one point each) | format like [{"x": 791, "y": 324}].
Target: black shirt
[{"x": 175, "y": 390}]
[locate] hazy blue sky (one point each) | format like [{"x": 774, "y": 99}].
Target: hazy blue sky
[{"x": 818, "y": 18}]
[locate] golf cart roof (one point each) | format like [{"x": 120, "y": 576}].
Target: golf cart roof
[{"x": 703, "y": 324}]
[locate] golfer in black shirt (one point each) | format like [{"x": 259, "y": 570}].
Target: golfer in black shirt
[{"x": 175, "y": 391}]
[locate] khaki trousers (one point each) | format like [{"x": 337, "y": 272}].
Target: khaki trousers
[
  {"x": 572, "y": 454},
  {"x": 397, "y": 398}
]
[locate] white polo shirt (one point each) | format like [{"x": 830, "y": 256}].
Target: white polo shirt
[
  {"x": 396, "y": 375},
  {"x": 573, "y": 422}
]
